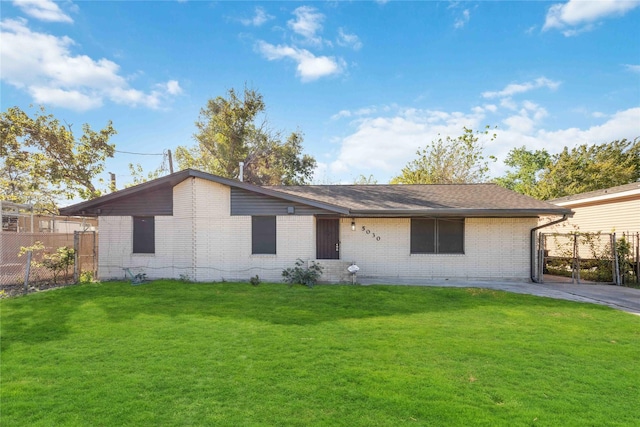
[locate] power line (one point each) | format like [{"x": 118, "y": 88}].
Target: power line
[{"x": 140, "y": 154}]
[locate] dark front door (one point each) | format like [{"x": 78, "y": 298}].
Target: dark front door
[{"x": 327, "y": 238}]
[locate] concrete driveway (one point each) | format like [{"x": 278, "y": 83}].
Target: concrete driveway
[{"x": 618, "y": 297}]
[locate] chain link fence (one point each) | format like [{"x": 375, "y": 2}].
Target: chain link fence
[
  {"x": 589, "y": 257},
  {"x": 56, "y": 259}
]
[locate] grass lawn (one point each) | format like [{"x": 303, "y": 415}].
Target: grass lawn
[{"x": 169, "y": 353}]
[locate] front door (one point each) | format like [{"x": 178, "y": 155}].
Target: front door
[{"x": 327, "y": 238}]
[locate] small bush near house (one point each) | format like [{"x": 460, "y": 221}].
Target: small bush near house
[{"x": 301, "y": 275}]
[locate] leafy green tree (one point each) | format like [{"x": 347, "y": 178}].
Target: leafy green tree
[
  {"x": 41, "y": 161},
  {"x": 449, "y": 161},
  {"x": 229, "y": 133},
  {"x": 572, "y": 171},
  {"x": 527, "y": 169},
  {"x": 591, "y": 167},
  {"x": 365, "y": 180}
]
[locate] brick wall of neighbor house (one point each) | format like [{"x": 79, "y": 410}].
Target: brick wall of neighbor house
[
  {"x": 619, "y": 216},
  {"x": 495, "y": 248}
]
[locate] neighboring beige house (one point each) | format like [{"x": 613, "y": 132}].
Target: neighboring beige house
[
  {"x": 207, "y": 228},
  {"x": 615, "y": 209}
]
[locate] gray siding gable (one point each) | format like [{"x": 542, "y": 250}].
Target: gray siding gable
[
  {"x": 246, "y": 202},
  {"x": 155, "y": 202}
]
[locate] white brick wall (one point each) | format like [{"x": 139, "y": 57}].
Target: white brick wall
[
  {"x": 203, "y": 241},
  {"x": 494, "y": 248}
]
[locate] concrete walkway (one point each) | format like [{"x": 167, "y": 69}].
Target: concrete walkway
[{"x": 618, "y": 297}]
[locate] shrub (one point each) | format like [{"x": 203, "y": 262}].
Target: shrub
[
  {"x": 302, "y": 275},
  {"x": 87, "y": 277}
]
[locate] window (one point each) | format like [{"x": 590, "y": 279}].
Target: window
[
  {"x": 144, "y": 235},
  {"x": 263, "y": 235},
  {"x": 437, "y": 236}
]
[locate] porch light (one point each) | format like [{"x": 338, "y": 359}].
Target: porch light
[{"x": 353, "y": 225}]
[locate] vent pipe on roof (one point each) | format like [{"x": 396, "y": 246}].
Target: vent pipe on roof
[{"x": 241, "y": 173}]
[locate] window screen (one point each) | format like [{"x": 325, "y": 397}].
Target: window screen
[
  {"x": 451, "y": 236},
  {"x": 437, "y": 236},
  {"x": 263, "y": 235},
  {"x": 423, "y": 236},
  {"x": 144, "y": 235}
]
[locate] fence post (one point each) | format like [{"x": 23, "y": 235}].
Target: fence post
[
  {"x": 95, "y": 254},
  {"x": 638, "y": 257},
  {"x": 616, "y": 266},
  {"x": 575, "y": 276},
  {"x": 27, "y": 271},
  {"x": 76, "y": 251},
  {"x": 541, "y": 249}
]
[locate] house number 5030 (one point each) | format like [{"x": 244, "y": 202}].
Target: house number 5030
[{"x": 369, "y": 232}]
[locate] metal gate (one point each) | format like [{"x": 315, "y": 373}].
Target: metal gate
[{"x": 588, "y": 257}]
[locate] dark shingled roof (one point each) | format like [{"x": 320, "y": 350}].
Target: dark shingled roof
[
  {"x": 487, "y": 200},
  {"x": 450, "y": 199}
]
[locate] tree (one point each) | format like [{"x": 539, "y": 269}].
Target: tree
[
  {"x": 572, "y": 171},
  {"x": 449, "y": 161},
  {"x": 591, "y": 167},
  {"x": 228, "y": 133},
  {"x": 365, "y": 180},
  {"x": 528, "y": 167},
  {"x": 41, "y": 161}
]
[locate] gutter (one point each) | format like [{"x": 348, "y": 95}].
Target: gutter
[{"x": 533, "y": 242}]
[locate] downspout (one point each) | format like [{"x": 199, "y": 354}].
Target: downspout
[{"x": 533, "y": 243}]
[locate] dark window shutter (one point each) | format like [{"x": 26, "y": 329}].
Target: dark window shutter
[
  {"x": 144, "y": 235},
  {"x": 263, "y": 235},
  {"x": 423, "y": 237},
  {"x": 451, "y": 236}
]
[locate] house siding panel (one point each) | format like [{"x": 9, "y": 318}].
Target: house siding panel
[
  {"x": 618, "y": 216},
  {"x": 151, "y": 203},
  {"x": 245, "y": 202}
]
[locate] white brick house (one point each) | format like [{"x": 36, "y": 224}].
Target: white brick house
[{"x": 207, "y": 228}]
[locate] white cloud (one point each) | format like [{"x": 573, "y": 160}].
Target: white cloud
[
  {"x": 383, "y": 145},
  {"x": 357, "y": 113},
  {"x": 348, "y": 40},
  {"x": 308, "y": 23},
  {"x": 71, "y": 99},
  {"x": 44, "y": 10},
  {"x": 44, "y": 66},
  {"x": 462, "y": 20},
  {"x": 584, "y": 14},
  {"x": 310, "y": 67},
  {"x": 386, "y": 144},
  {"x": 516, "y": 88},
  {"x": 172, "y": 87},
  {"x": 261, "y": 16},
  {"x": 634, "y": 68}
]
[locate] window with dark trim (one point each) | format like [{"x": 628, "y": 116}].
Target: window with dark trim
[
  {"x": 437, "y": 235},
  {"x": 263, "y": 235},
  {"x": 144, "y": 235}
]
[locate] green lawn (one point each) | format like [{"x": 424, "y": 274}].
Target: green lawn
[{"x": 170, "y": 353}]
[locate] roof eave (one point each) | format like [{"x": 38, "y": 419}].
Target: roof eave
[{"x": 467, "y": 213}]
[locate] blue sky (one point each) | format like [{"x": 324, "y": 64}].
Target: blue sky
[{"x": 368, "y": 83}]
